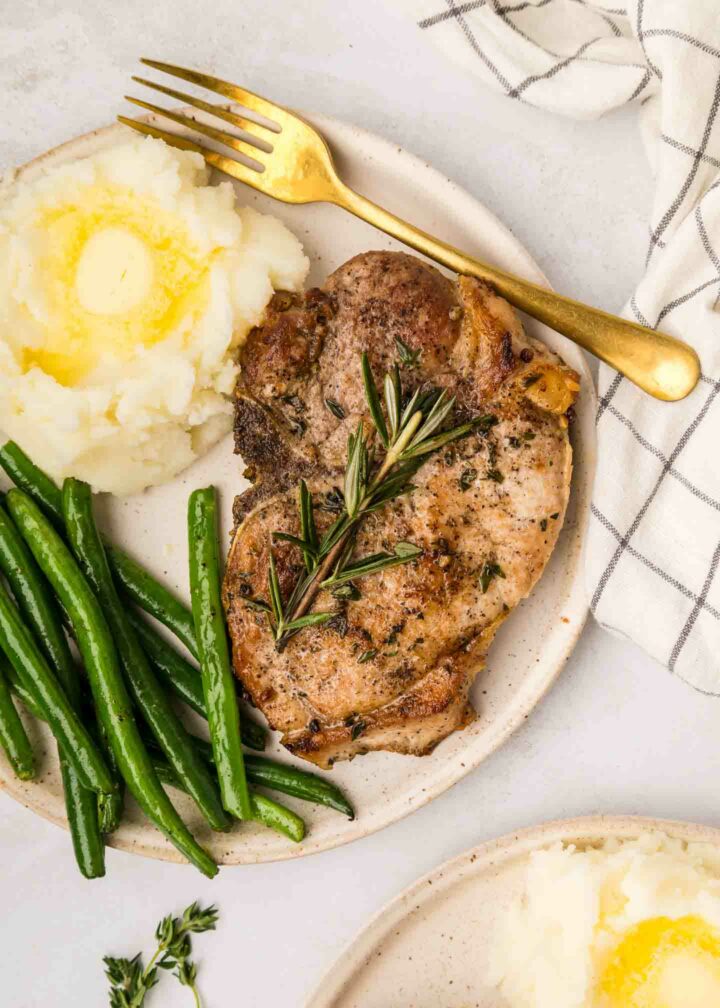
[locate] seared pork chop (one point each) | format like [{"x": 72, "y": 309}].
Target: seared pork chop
[{"x": 392, "y": 670}]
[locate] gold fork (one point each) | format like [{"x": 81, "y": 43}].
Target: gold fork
[{"x": 288, "y": 159}]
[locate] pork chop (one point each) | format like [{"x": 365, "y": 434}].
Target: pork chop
[{"x": 393, "y": 668}]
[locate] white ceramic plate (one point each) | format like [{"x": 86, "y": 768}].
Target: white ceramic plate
[
  {"x": 428, "y": 948},
  {"x": 531, "y": 647}
]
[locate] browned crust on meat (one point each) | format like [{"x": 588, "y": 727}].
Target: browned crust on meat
[{"x": 414, "y": 724}]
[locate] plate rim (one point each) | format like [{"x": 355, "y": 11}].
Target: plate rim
[
  {"x": 498, "y": 850},
  {"x": 152, "y": 845}
]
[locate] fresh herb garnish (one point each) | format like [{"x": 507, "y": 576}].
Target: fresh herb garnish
[
  {"x": 357, "y": 729},
  {"x": 333, "y": 501},
  {"x": 130, "y": 981},
  {"x": 467, "y": 478},
  {"x": 490, "y": 570},
  {"x": 297, "y": 425},
  {"x": 374, "y": 476},
  {"x": 495, "y": 475},
  {"x": 367, "y": 656},
  {"x": 486, "y": 423},
  {"x": 408, "y": 357},
  {"x": 335, "y": 408},
  {"x": 295, "y": 401}
]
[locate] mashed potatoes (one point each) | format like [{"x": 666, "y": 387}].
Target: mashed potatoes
[
  {"x": 633, "y": 924},
  {"x": 126, "y": 286}
]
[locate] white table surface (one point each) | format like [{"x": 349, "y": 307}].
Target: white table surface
[{"x": 616, "y": 734}]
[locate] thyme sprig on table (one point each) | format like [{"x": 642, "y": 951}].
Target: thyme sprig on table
[
  {"x": 375, "y": 474},
  {"x": 130, "y": 981}
]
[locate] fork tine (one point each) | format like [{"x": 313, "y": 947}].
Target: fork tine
[
  {"x": 241, "y": 122},
  {"x": 224, "y": 164},
  {"x": 241, "y": 146},
  {"x": 263, "y": 107}
]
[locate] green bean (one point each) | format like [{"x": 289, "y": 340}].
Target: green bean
[
  {"x": 81, "y": 804},
  {"x": 36, "y": 484},
  {"x": 277, "y": 817},
  {"x": 264, "y": 809},
  {"x": 217, "y": 678},
  {"x": 287, "y": 779},
  {"x": 13, "y": 737},
  {"x": 112, "y": 701},
  {"x": 34, "y": 599},
  {"x": 137, "y": 582},
  {"x": 26, "y": 697},
  {"x": 19, "y": 646},
  {"x": 300, "y": 783},
  {"x": 147, "y": 692},
  {"x": 153, "y": 597},
  {"x": 184, "y": 679},
  {"x": 110, "y": 807}
]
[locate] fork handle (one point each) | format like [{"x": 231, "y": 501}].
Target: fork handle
[{"x": 659, "y": 364}]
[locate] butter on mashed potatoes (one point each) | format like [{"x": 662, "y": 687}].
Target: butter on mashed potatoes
[
  {"x": 629, "y": 924},
  {"x": 127, "y": 284}
]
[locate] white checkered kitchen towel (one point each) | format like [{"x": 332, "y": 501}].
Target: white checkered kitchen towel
[{"x": 654, "y": 543}]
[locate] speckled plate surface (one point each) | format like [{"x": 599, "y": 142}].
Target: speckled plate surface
[
  {"x": 532, "y": 646},
  {"x": 429, "y": 947}
]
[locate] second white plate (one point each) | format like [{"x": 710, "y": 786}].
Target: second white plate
[
  {"x": 532, "y": 646},
  {"x": 429, "y": 947}
]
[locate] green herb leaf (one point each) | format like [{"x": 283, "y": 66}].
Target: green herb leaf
[
  {"x": 357, "y": 729},
  {"x": 307, "y": 526},
  {"x": 310, "y": 619},
  {"x": 486, "y": 423},
  {"x": 275, "y": 593},
  {"x": 355, "y": 471},
  {"x": 442, "y": 439},
  {"x": 408, "y": 357},
  {"x": 404, "y": 553},
  {"x": 367, "y": 656},
  {"x": 407, "y": 549},
  {"x": 197, "y": 919},
  {"x": 495, "y": 475},
  {"x": 467, "y": 478},
  {"x": 335, "y": 408},
  {"x": 411, "y": 407},
  {"x": 334, "y": 534},
  {"x": 258, "y": 604},
  {"x": 373, "y": 400},
  {"x": 393, "y": 394},
  {"x": 347, "y": 591},
  {"x": 333, "y": 501},
  {"x": 490, "y": 570},
  {"x": 434, "y": 419},
  {"x": 303, "y": 544}
]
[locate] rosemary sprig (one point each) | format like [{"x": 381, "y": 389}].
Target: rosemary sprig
[
  {"x": 130, "y": 982},
  {"x": 409, "y": 432}
]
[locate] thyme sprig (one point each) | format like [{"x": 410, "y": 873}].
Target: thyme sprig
[
  {"x": 408, "y": 432},
  {"x": 130, "y": 981}
]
